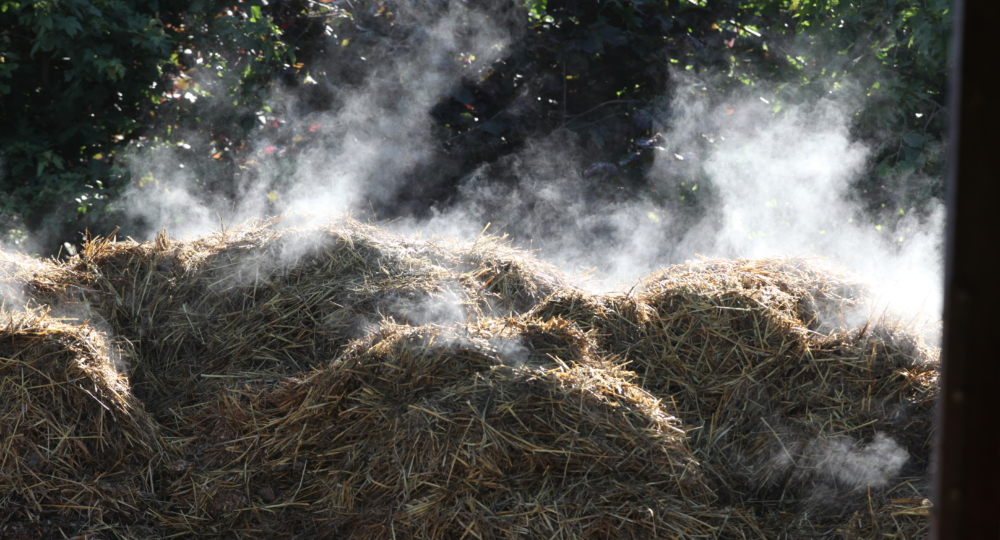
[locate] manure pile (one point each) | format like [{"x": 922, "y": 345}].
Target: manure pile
[{"x": 332, "y": 382}]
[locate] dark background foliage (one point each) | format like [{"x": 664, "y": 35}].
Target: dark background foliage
[{"x": 88, "y": 85}]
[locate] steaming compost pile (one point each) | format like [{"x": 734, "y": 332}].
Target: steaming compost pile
[{"x": 269, "y": 381}]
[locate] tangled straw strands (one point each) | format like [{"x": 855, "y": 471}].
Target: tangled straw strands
[
  {"x": 424, "y": 432},
  {"x": 794, "y": 412},
  {"x": 267, "y": 301},
  {"x": 342, "y": 381},
  {"x": 78, "y": 451}
]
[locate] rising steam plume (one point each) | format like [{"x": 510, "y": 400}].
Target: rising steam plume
[
  {"x": 771, "y": 183},
  {"x": 774, "y": 184}
]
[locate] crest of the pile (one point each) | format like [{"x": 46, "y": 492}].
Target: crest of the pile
[{"x": 342, "y": 381}]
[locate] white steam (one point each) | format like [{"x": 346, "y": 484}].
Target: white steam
[
  {"x": 774, "y": 183},
  {"x": 826, "y": 470},
  {"x": 170, "y": 204},
  {"x": 512, "y": 352},
  {"x": 361, "y": 152},
  {"x": 442, "y": 309},
  {"x": 784, "y": 183},
  {"x": 780, "y": 186}
]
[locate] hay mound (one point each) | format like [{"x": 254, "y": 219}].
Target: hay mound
[
  {"x": 794, "y": 415},
  {"x": 342, "y": 381},
  {"x": 424, "y": 432},
  {"x": 78, "y": 452},
  {"x": 263, "y": 301},
  {"x": 511, "y": 281}
]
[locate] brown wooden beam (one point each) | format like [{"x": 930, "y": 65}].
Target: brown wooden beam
[{"x": 967, "y": 479}]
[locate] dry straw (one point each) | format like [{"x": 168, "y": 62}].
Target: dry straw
[
  {"x": 78, "y": 452},
  {"x": 424, "y": 432},
  {"x": 342, "y": 381},
  {"x": 795, "y": 412}
]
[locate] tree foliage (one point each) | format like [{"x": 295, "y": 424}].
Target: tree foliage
[
  {"x": 81, "y": 81},
  {"x": 896, "y": 50}
]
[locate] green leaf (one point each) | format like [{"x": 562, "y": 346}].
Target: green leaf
[
  {"x": 69, "y": 25},
  {"x": 914, "y": 140}
]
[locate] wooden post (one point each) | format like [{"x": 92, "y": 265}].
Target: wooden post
[{"x": 967, "y": 476}]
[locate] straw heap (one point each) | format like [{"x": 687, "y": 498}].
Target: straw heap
[
  {"x": 79, "y": 452},
  {"x": 342, "y": 381},
  {"x": 422, "y": 432},
  {"x": 794, "y": 413}
]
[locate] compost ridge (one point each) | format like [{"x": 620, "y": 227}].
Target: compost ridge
[{"x": 342, "y": 380}]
